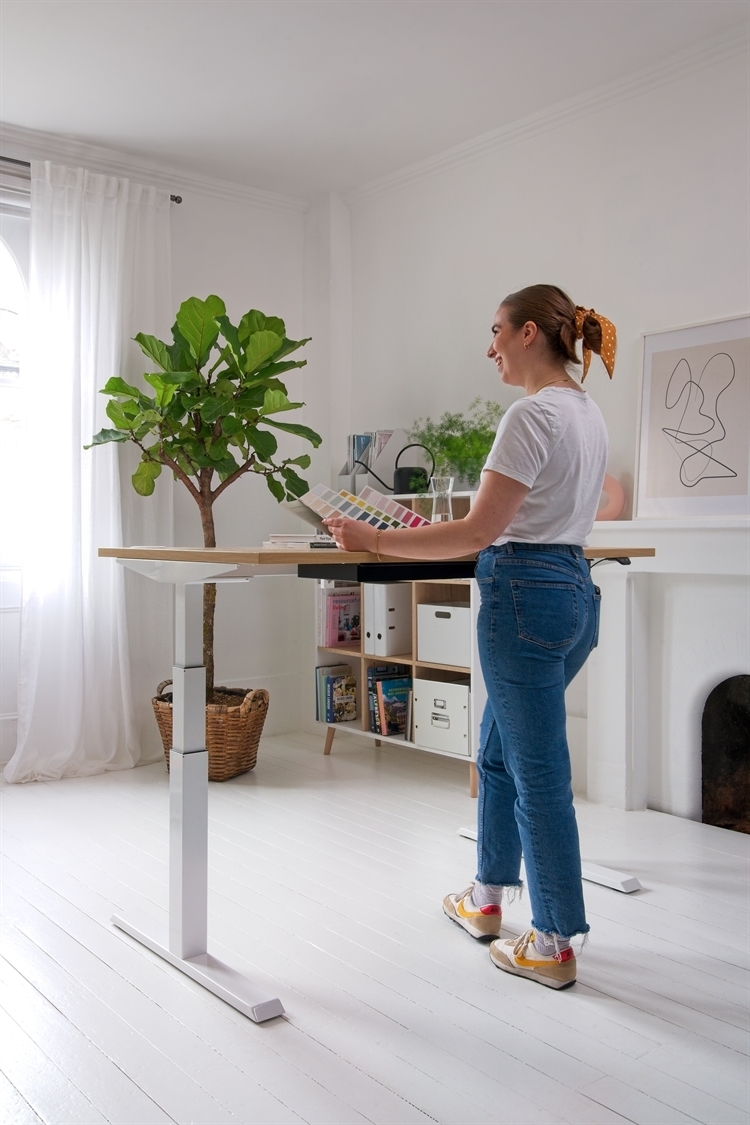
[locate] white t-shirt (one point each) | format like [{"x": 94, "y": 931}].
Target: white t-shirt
[{"x": 556, "y": 443}]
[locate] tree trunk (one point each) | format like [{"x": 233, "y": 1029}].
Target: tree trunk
[{"x": 209, "y": 598}]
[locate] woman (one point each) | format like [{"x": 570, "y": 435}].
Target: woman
[{"x": 538, "y": 622}]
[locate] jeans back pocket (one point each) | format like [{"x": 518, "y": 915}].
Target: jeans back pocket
[{"x": 546, "y": 612}]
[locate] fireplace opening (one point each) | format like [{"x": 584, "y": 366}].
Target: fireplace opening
[{"x": 725, "y": 754}]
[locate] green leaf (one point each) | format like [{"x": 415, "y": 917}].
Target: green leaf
[
  {"x": 177, "y": 378},
  {"x": 144, "y": 477},
  {"x": 252, "y": 321},
  {"x": 250, "y": 399},
  {"x": 107, "y": 435},
  {"x": 155, "y": 350},
  {"x": 294, "y": 484},
  {"x": 276, "y": 488},
  {"x": 264, "y": 443},
  {"x": 276, "y": 401},
  {"x": 164, "y": 391},
  {"x": 260, "y": 347},
  {"x": 118, "y": 386},
  {"x": 231, "y": 425},
  {"x": 289, "y": 346},
  {"x": 230, "y": 334},
  {"x": 280, "y": 368},
  {"x": 275, "y": 324},
  {"x": 179, "y": 351},
  {"x": 303, "y": 461},
  {"x": 217, "y": 450},
  {"x": 196, "y": 322},
  {"x": 294, "y": 428},
  {"x": 213, "y": 408},
  {"x": 116, "y": 414}
]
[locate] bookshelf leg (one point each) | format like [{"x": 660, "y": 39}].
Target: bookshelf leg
[
  {"x": 473, "y": 780},
  {"x": 329, "y": 740}
]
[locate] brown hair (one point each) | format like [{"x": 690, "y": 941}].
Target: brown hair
[{"x": 554, "y": 314}]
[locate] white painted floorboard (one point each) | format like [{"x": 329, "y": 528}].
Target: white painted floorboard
[{"x": 325, "y": 885}]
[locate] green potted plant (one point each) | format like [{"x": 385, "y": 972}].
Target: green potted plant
[
  {"x": 460, "y": 443},
  {"x": 216, "y": 392}
]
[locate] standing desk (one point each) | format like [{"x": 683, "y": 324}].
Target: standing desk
[{"x": 183, "y": 943}]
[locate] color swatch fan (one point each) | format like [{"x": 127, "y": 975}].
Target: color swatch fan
[{"x": 371, "y": 506}]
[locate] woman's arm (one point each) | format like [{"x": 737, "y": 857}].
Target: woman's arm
[{"x": 496, "y": 503}]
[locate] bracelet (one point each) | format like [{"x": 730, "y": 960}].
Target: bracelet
[{"x": 378, "y": 533}]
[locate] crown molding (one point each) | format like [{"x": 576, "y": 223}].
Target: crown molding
[
  {"x": 677, "y": 66},
  {"x": 30, "y": 144}
]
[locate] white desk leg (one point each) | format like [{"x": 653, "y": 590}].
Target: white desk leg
[{"x": 184, "y": 946}]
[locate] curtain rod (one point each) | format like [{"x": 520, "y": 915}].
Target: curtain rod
[{"x": 27, "y": 164}]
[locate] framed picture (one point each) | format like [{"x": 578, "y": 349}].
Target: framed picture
[{"x": 694, "y": 432}]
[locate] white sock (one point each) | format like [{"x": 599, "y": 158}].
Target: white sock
[
  {"x": 549, "y": 944},
  {"x": 486, "y": 894}
]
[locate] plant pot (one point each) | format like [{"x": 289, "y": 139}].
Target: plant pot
[{"x": 234, "y": 724}]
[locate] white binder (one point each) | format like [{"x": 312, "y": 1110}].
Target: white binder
[{"x": 387, "y": 618}]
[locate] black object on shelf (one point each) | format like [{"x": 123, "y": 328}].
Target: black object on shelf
[{"x": 412, "y": 479}]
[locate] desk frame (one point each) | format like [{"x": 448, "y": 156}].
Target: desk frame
[{"x": 184, "y": 942}]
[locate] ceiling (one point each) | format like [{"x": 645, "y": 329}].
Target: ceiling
[{"x": 305, "y": 96}]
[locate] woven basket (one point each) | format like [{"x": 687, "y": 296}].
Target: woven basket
[{"x": 234, "y": 724}]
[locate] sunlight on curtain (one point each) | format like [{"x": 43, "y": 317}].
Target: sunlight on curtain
[{"x": 99, "y": 252}]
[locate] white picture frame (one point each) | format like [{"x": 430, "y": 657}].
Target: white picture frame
[{"x": 693, "y": 457}]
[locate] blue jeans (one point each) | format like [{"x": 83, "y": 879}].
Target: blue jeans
[{"x": 538, "y": 622}]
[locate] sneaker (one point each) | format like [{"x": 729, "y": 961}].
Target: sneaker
[
  {"x": 478, "y": 921},
  {"x": 519, "y": 956}
]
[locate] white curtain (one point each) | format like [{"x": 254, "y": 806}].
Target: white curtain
[{"x": 100, "y": 271}]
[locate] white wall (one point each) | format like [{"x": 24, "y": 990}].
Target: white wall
[{"x": 637, "y": 207}]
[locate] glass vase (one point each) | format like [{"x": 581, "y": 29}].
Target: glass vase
[{"x": 442, "y": 504}]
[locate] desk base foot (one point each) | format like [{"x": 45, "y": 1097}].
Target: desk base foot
[{"x": 208, "y": 971}]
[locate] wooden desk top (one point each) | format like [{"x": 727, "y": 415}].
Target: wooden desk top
[{"x": 255, "y": 556}]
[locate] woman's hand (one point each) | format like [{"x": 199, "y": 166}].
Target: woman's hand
[{"x": 352, "y": 535}]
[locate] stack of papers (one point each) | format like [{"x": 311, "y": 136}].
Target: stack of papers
[{"x": 299, "y": 542}]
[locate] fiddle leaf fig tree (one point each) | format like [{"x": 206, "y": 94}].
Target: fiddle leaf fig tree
[{"x": 216, "y": 401}]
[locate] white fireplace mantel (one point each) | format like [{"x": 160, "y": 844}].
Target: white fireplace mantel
[{"x": 673, "y": 626}]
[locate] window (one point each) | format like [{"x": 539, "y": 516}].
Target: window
[{"x": 12, "y": 326}]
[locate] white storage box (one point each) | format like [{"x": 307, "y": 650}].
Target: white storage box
[
  {"x": 441, "y": 716},
  {"x": 444, "y": 634}
]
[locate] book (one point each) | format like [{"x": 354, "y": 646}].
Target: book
[
  {"x": 392, "y": 703},
  {"x": 377, "y": 673},
  {"x": 322, "y": 673},
  {"x": 409, "y": 732},
  {"x": 342, "y": 625},
  {"x": 299, "y": 542},
  {"x": 341, "y": 699},
  {"x": 339, "y": 617}
]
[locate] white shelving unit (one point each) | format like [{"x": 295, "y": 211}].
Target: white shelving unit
[{"x": 435, "y": 592}]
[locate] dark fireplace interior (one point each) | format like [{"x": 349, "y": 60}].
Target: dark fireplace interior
[{"x": 725, "y": 754}]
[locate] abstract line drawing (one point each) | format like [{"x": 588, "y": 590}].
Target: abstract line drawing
[{"x": 699, "y": 429}]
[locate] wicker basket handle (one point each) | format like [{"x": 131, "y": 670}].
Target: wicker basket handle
[
  {"x": 254, "y": 699},
  {"x": 162, "y": 685}
]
